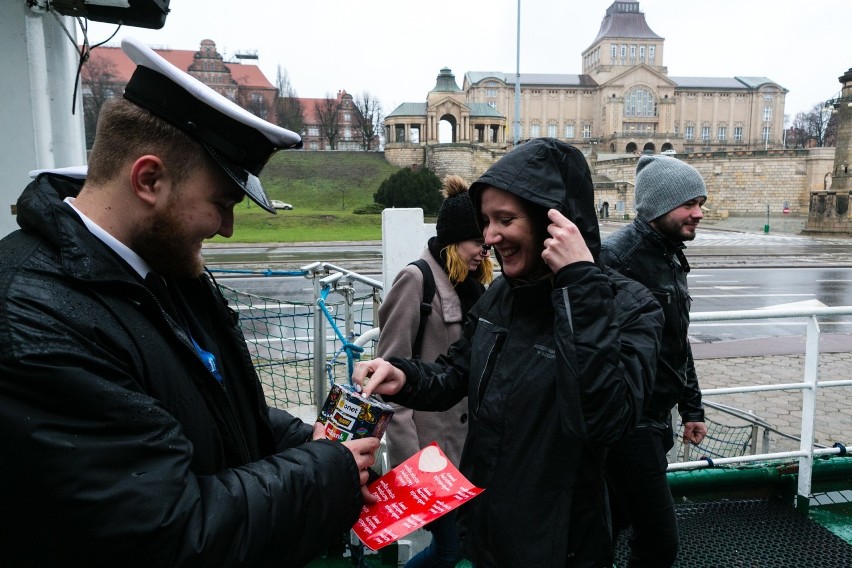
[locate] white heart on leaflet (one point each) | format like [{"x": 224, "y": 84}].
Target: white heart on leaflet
[{"x": 431, "y": 460}]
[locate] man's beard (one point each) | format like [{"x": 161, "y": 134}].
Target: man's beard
[
  {"x": 673, "y": 230},
  {"x": 167, "y": 248}
]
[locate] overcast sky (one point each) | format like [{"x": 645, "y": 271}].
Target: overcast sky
[{"x": 394, "y": 49}]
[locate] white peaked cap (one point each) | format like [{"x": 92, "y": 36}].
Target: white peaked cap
[{"x": 240, "y": 142}]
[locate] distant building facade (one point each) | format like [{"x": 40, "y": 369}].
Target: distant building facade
[
  {"x": 624, "y": 102},
  {"x": 338, "y": 115},
  {"x": 108, "y": 70}
]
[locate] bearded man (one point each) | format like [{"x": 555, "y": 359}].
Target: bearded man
[
  {"x": 669, "y": 195},
  {"x": 133, "y": 428}
]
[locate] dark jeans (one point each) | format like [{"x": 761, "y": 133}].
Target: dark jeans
[
  {"x": 443, "y": 551},
  {"x": 640, "y": 497}
]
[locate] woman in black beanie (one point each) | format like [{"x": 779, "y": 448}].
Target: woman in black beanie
[{"x": 460, "y": 267}]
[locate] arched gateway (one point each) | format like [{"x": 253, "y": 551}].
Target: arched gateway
[{"x": 414, "y": 125}]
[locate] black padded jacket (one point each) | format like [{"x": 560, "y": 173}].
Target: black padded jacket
[
  {"x": 642, "y": 254},
  {"x": 117, "y": 446}
]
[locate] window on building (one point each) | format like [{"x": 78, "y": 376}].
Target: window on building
[
  {"x": 766, "y": 134},
  {"x": 569, "y": 131},
  {"x": 738, "y": 132},
  {"x": 705, "y": 133},
  {"x": 651, "y": 52},
  {"x": 347, "y": 133},
  {"x": 313, "y": 131},
  {"x": 613, "y": 50},
  {"x": 492, "y": 104},
  {"x": 491, "y": 84},
  {"x": 767, "y": 113},
  {"x": 491, "y": 93},
  {"x": 642, "y": 53},
  {"x": 623, "y": 51},
  {"x": 314, "y": 146},
  {"x": 640, "y": 101},
  {"x": 347, "y": 117},
  {"x": 552, "y": 130},
  {"x": 633, "y": 53},
  {"x": 587, "y": 131},
  {"x": 723, "y": 133},
  {"x": 689, "y": 132},
  {"x": 535, "y": 130}
]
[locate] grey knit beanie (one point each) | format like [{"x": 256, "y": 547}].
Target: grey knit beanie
[
  {"x": 664, "y": 183},
  {"x": 456, "y": 218}
]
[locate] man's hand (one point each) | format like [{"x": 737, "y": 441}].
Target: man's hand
[
  {"x": 378, "y": 376},
  {"x": 364, "y": 452},
  {"x": 319, "y": 431},
  {"x": 565, "y": 245},
  {"x": 694, "y": 432}
]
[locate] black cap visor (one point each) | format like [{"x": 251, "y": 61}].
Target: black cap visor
[{"x": 249, "y": 183}]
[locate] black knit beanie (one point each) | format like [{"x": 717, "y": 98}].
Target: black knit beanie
[{"x": 456, "y": 218}]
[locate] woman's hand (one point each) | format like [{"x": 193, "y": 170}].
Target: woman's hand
[
  {"x": 377, "y": 376},
  {"x": 565, "y": 245}
]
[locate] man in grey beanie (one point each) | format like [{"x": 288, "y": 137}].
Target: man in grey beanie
[{"x": 668, "y": 194}]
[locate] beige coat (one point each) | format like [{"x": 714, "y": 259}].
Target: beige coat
[{"x": 399, "y": 318}]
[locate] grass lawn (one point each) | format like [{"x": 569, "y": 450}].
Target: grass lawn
[{"x": 324, "y": 188}]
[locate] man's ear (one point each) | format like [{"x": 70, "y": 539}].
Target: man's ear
[{"x": 147, "y": 177}]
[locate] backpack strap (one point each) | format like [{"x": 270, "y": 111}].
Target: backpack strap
[{"x": 425, "y": 304}]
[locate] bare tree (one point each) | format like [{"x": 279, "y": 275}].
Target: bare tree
[
  {"x": 368, "y": 120},
  {"x": 817, "y": 127},
  {"x": 255, "y": 103},
  {"x": 328, "y": 116},
  {"x": 289, "y": 109},
  {"x": 98, "y": 80}
]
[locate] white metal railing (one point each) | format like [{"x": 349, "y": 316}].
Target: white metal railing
[
  {"x": 329, "y": 276},
  {"x": 808, "y": 386}
]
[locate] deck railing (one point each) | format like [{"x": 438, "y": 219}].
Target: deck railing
[{"x": 808, "y": 386}]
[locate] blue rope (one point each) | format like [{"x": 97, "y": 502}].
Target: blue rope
[{"x": 353, "y": 352}]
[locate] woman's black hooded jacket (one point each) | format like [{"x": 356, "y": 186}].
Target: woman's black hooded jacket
[{"x": 554, "y": 370}]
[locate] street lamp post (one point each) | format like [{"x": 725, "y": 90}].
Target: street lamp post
[{"x": 517, "y": 123}]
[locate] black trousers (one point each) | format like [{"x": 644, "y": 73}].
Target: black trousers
[{"x": 640, "y": 497}]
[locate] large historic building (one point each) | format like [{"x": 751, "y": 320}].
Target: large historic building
[{"x": 624, "y": 102}]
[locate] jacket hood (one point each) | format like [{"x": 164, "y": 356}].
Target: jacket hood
[{"x": 549, "y": 173}]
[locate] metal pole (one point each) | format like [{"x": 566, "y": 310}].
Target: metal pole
[
  {"x": 517, "y": 122},
  {"x": 766, "y": 226},
  {"x": 320, "y": 389},
  {"x": 809, "y": 395}
]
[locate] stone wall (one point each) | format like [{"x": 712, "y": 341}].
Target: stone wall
[
  {"x": 466, "y": 160},
  {"x": 407, "y": 155},
  {"x": 738, "y": 183}
]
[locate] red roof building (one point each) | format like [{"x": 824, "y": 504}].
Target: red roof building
[{"x": 108, "y": 70}]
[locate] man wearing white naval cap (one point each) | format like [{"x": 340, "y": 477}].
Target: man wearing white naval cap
[{"x": 133, "y": 429}]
